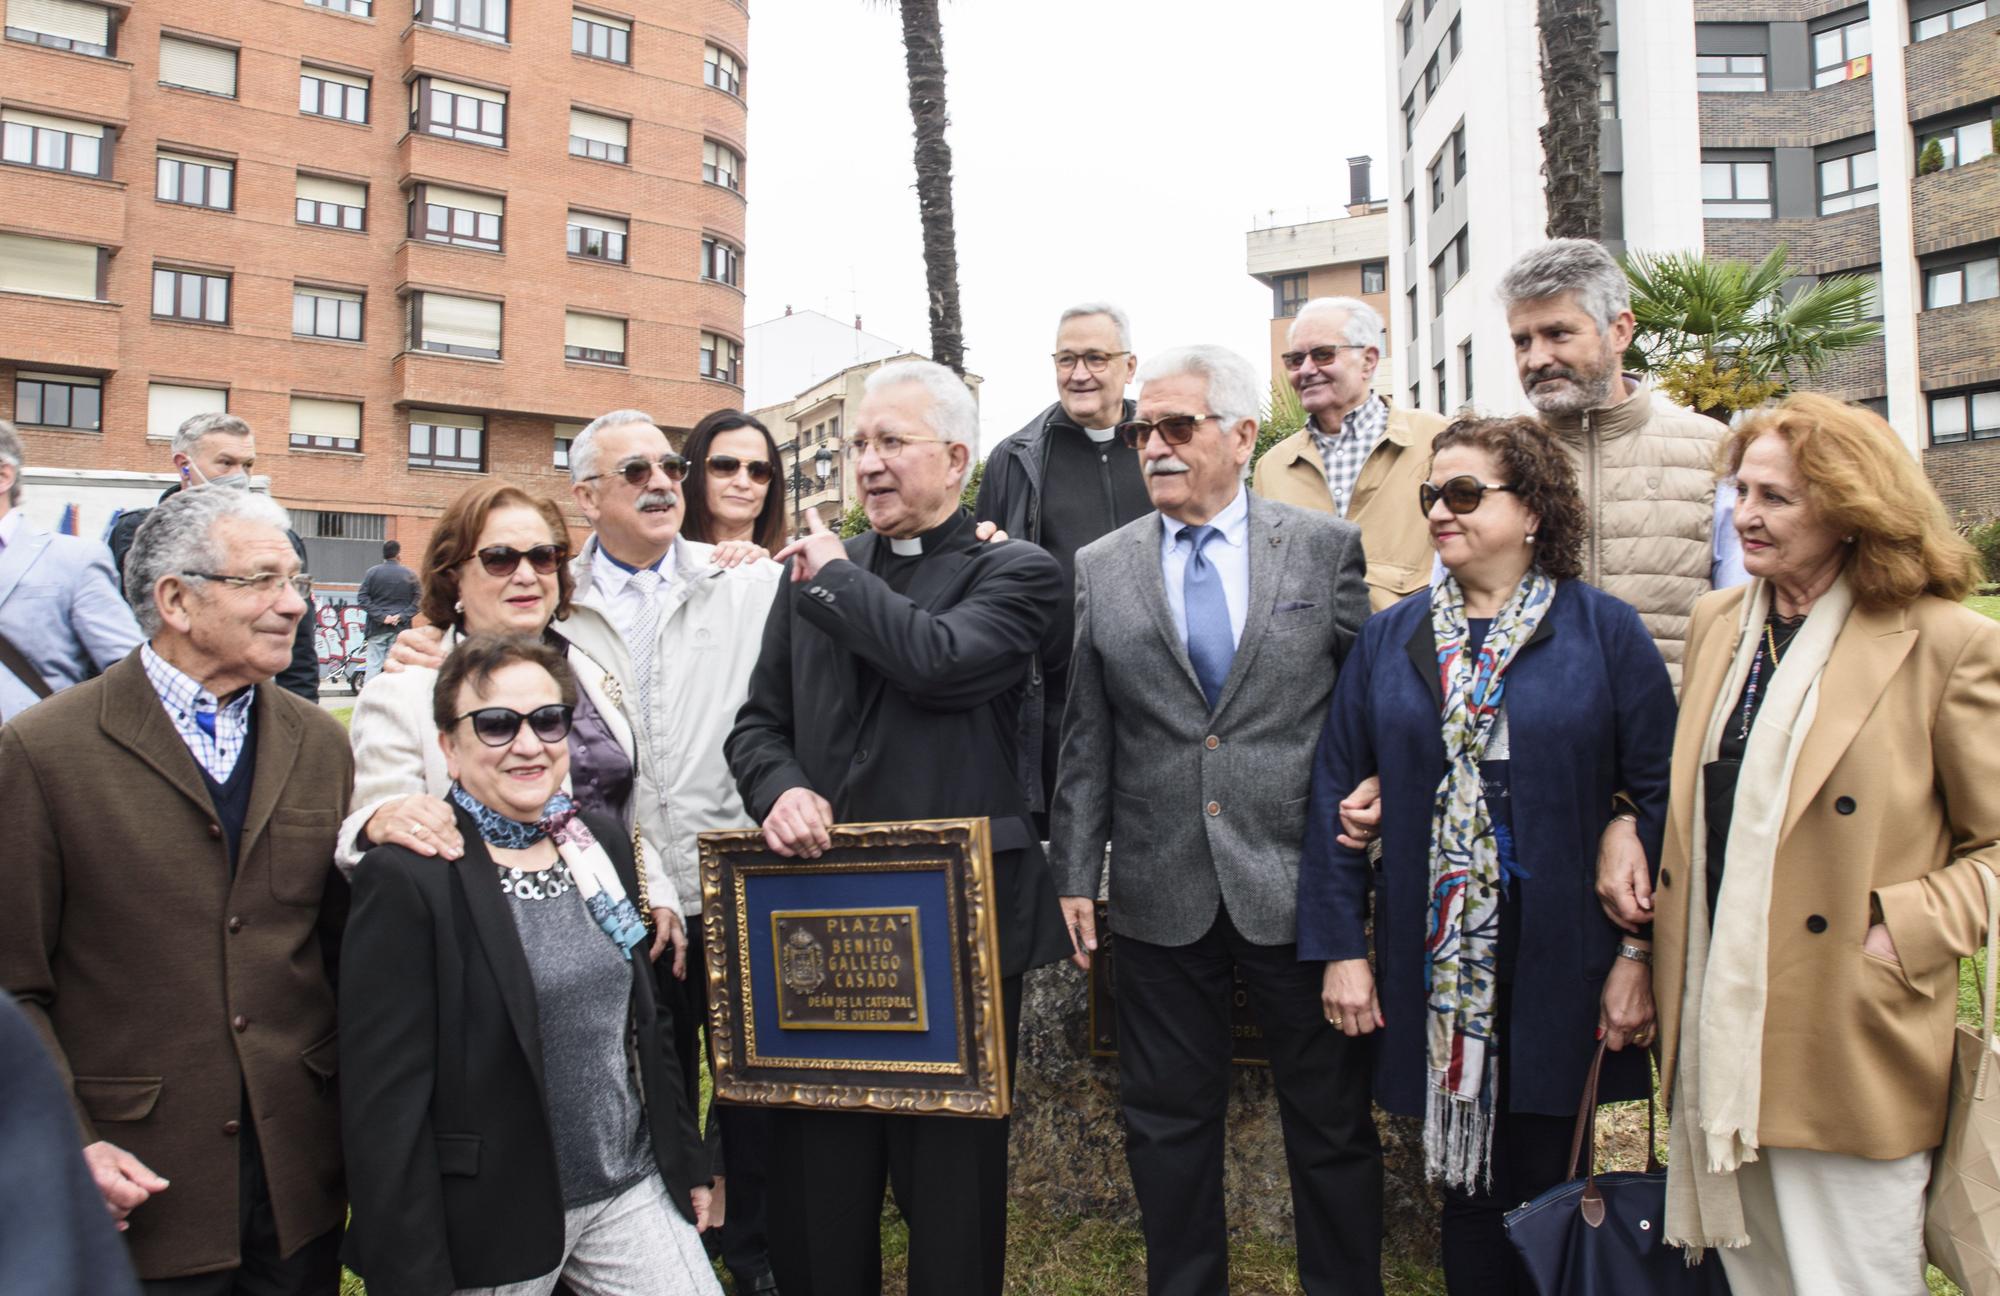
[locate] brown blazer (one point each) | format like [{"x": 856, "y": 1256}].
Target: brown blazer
[
  {"x": 1896, "y": 792},
  {"x": 165, "y": 989},
  {"x": 1395, "y": 538}
]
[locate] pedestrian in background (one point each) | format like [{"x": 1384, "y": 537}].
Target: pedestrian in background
[{"x": 388, "y": 595}]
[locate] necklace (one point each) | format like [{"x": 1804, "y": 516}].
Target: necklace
[
  {"x": 535, "y": 884},
  {"x": 1768, "y": 649}
]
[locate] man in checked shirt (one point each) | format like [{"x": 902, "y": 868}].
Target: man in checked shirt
[{"x": 1355, "y": 458}]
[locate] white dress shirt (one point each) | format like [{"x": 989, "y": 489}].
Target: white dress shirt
[
  {"x": 1229, "y": 553},
  {"x": 616, "y": 596}
]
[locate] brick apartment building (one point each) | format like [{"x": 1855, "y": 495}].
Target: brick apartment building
[{"x": 407, "y": 251}]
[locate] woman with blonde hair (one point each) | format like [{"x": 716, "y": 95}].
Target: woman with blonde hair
[{"x": 1835, "y": 789}]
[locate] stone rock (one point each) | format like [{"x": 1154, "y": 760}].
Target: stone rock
[{"x": 1067, "y": 1151}]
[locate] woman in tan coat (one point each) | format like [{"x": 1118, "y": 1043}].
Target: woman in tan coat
[{"x": 1836, "y": 785}]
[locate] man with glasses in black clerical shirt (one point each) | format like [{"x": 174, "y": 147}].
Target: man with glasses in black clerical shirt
[
  {"x": 1060, "y": 482},
  {"x": 889, "y": 689}
]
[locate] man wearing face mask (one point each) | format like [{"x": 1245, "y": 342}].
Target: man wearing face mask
[{"x": 220, "y": 450}]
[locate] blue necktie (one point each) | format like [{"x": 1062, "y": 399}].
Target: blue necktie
[
  {"x": 1211, "y": 643},
  {"x": 205, "y": 721}
]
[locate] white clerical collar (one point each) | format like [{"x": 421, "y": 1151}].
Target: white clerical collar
[
  {"x": 911, "y": 548},
  {"x": 1101, "y": 435}
]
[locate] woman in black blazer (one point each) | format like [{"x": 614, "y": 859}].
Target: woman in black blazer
[{"x": 512, "y": 1110}]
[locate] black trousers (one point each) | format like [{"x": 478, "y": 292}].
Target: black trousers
[
  {"x": 949, "y": 1174},
  {"x": 1173, "y": 1081},
  {"x": 739, "y": 1138},
  {"x": 312, "y": 1270}
]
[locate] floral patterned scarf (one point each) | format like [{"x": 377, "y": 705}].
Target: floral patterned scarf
[
  {"x": 1462, "y": 937},
  {"x": 590, "y": 867}
]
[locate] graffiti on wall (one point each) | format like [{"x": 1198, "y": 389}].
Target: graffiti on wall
[{"x": 340, "y": 630}]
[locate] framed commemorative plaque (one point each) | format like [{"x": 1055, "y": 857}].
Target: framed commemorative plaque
[{"x": 867, "y": 979}]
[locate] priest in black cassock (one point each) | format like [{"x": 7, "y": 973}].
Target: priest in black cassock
[{"x": 889, "y": 688}]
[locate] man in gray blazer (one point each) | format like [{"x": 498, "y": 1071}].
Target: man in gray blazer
[
  {"x": 61, "y": 614},
  {"x": 1208, "y": 637}
]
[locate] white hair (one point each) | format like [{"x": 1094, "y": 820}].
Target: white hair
[
  {"x": 10, "y": 455},
  {"x": 583, "y": 450},
  {"x": 197, "y": 426},
  {"x": 953, "y": 416},
  {"x": 178, "y": 535},
  {"x": 1119, "y": 319},
  {"x": 1576, "y": 266},
  {"x": 1233, "y": 394},
  {"x": 1363, "y": 327}
]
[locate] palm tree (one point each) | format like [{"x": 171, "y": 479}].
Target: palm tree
[
  {"x": 1721, "y": 336},
  {"x": 923, "y": 55},
  {"x": 1571, "y": 182}
]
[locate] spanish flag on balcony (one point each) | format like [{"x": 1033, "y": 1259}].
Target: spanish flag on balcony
[{"x": 68, "y": 524}]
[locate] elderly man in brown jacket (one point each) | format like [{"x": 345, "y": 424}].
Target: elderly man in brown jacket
[
  {"x": 1355, "y": 458},
  {"x": 173, "y": 914}
]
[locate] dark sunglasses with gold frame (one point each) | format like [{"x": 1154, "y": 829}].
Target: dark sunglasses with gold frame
[{"x": 1461, "y": 495}]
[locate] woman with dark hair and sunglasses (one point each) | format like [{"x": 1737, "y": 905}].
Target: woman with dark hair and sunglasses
[
  {"x": 733, "y": 464},
  {"x": 497, "y": 564},
  {"x": 1496, "y": 972},
  {"x": 512, "y": 1110}
]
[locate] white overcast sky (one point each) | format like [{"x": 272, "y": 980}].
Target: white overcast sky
[{"x": 1101, "y": 149}]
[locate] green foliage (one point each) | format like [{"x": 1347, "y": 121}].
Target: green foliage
[
  {"x": 1986, "y": 539},
  {"x": 1931, "y": 159},
  {"x": 855, "y": 520},
  {"x": 1283, "y": 415},
  {"x": 1720, "y": 336}
]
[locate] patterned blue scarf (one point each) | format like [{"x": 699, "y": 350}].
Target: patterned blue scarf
[{"x": 590, "y": 867}]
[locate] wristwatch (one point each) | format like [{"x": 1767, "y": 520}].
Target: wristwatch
[{"x": 1635, "y": 953}]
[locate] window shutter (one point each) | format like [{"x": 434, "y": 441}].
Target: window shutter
[
  {"x": 343, "y": 192},
  {"x": 193, "y": 160},
  {"x": 69, "y": 19},
  {"x": 89, "y": 129},
  {"x": 593, "y": 126},
  {"x": 168, "y": 406},
  {"x": 602, "y": 20},
  {"x": 606, "y": 224},
  {"x": 48, "y": 268},
  {"x": 594, "y": 332},
  {"x": 461, "y": 322},
  {"x": 339, "y": 78},
  {"x": 445, "y": 418},
  {"x": 197, "y": 66},
  {"x": 326, "y": 418},
  {"x": 470, "y": 92},
  {"x": 464, "y": 199}
]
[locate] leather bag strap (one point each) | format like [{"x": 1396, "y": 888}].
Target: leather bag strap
[
  {"x": 24, "y": 670},
  {"x": 1986, "y": 992}
]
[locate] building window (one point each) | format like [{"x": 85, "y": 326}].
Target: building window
[
  {"x": 1374, "y": 277},
  {"x": 439, "y": 214},
  {"x": 338, "y": 204},
  {"x": 601, "y": 238},
  {"x": 1416, "y": 396},
  {"x": 1411, "y": 311},
  {"x": 193, "y": 65},
  {"x": 359, "y": 8},
  {"x": 1439, "y": 283},
  {"x": 195, "y": 181},
  {"x": 1436, "y": 174},
  {"x": 189, "y": 295},
  {"x": 62, "y": 24},
  {"x": 59, "y": 400},
  {"x": 51, "y": 268},
  {"x": 486, "y": 18},
  {"x": 1410, "y": 219},
  {"x": 1840, "y": 53},
  {"x": 1730, "y": 73},
  {"x": 328, "y": 524},
  {"x": 326, "y": 425},
  {"x": 456, "y": 442},
  {"x": 720, "y": 261},
  {"x": 1965, "y": 138},
  {"x": 1458, "y": 154},
  {"x": 1962, "y": 279},
  {"x": 1407, "y": 24},
  {"x": 53, "y": 143},
  {"x": 720, "y": 165},
  {"x": 1451, "y": 41},
  {"x": 566, "y": 435},
  {"x": 1432, "y": 75},
  {"x": 1288, "y": 293},
  {"x": 596, "y": 338},
  {"x": 326, "y": 313},
  {"x": 168, "y": 406},
  {"x": 1410, "y": 122},
  {"x": 1607, "y": 89},
  {"x": 463, "y": 112},
  {"x": 1965, "y": 415},
  {"x": 1465, "y": 372},
  {"x": 1461, "y": 248},
  {"x": 1735, "y": 189},
  {"x": 600, "y": 36},
  {"x": 461, "y": 326},
  {"x": 1847, "y": 182},
  {"x": 326, "y": 93},
  {"x": 720, "y": 69},
  {"x": 593, "y": 135},
  {"x": 1437, "y": 383},
  {"x": 721, "y": 358},
  {"x": 1937, "y": 24}
]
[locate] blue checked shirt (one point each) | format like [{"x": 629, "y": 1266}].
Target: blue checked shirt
[
  {"x": 214, "y": 731},
  {"x": 1343, "y": 455}
]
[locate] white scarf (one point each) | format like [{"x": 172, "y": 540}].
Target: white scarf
[{"x": 1718, "y": 1090}]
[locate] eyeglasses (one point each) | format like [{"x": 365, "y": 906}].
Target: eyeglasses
[
  {"x": 1095, "y": 361},
  {"x": 1175, "y": 429},
  {"x": 264, "y": 585},
  {"x": 886, "y": 446},
  {"x": 1321, "y": 356},
  {"x": 1460, "y": 494},
  {"x": 496, "y": 726},
  {"x": 729, "y": 465},
  {"x": 637, "y": 472},
  {"x": 505, "y": 560}
]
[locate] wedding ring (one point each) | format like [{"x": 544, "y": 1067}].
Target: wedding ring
[
  {"x": 416, "y": 828},
  {"x": 1333, "y": 1019}
]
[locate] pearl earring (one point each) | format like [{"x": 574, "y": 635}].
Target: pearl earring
[{"x": 1531, "y": 537}]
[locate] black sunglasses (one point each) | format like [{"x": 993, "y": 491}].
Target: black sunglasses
[
  {"x": 729, "y": 465},
  {"x": 496, "y": 726},
  {"x": 1175, "y": 429},
  {"x": 1321, "y": 356},
  {"x": 1460, "y": 494},
  {"x": 637, "y": 472},
  {"x": 505, "y": 560}
]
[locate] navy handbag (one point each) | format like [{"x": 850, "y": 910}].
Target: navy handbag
[{"x": 1604, "y": 1234}]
